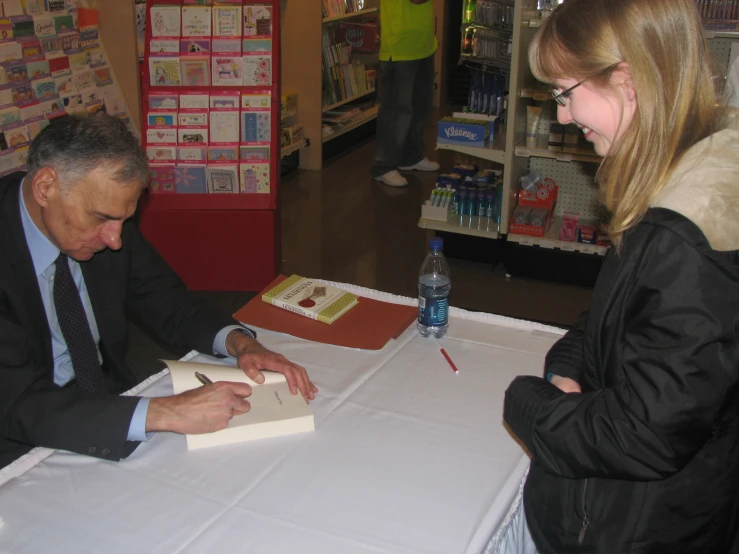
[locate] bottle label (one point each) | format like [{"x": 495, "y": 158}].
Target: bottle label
[{"x": 433, "y": 312}]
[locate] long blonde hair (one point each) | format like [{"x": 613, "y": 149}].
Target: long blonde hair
[{"x": 663, "y": 44}]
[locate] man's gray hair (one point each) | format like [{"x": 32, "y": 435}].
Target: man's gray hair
[{"x": 74, "y": 145}]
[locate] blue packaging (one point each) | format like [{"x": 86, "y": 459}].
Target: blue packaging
[{"x": 466, "y": 132}]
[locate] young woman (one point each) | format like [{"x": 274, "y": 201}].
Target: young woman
[{"x": 634, "y": 434}]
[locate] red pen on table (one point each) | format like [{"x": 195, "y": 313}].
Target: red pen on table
[{"x": 451, "y": 363}]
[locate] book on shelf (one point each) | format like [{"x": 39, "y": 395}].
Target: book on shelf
[
  {"x": 310, "y": 298},
  {"x": 274, "y": 412},
  {"x": 334, "y": 8},
  {"x": 343, "y": 77}
]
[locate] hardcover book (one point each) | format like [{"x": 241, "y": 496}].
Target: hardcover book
[
  {"x": 274, "y": 412},
  {"x": 311, "y": 299}
]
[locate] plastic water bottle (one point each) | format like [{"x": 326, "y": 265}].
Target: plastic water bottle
[{"x": 433, "y": 292}]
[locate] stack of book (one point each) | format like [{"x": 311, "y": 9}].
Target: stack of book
[
  {"x": 344, "y": 116},
  {"x": 343, "y": 77},
  {"x": 333, "y": 8}
]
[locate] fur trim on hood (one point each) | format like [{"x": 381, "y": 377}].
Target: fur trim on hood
[{"x": 704, "y": 187}]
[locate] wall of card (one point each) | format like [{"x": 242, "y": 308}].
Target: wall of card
[
  {"x": 208, "y": 123},
  {"x": 51, "y": 64}
]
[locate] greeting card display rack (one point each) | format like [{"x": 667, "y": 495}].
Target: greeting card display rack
[{"x": 212, "y": 134}]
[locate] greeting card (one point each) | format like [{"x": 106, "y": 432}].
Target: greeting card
[
  {"x": 9, "y": 115},
  {"x": 228, "y": 46},
  {"x": 23, "y": 26},
  {"x": 71, "y": 42},
  {"x": 83, "y": 79},
  {"x": 35, "y": 127},
  {"x": 194, "y": 101},
  {"x": 195, "y": 71},
  {"x": 257, "y": 70},
  {"x": 89, "y": 19},
  {"x": 31, "y": 47},
  {"x": 15, "y": 7},
  {"x": 224, "y": 126},
  {"x": 227, "y": 21},
  {"x": 161, "y": 136},
  {"x": 23, "y": 94},
  {"x": 161, "y": 178},
  {"x": 227, "y": 71},
  {"x": 256, "y": 45},
  {"x": 195, "y": 136},
  {"x": 192, "y": 153},
  {"x": 44, "y": 89},
  {"x": 78, "y": 61},
  {"x": 95, "y": 57},
  {"x": 17, "y": 135},
  {"x": 222, "y": 153},
  {"x": 44, "y": 26},
  {"x": 224, "y": 99},
  {"x": 161, "y": 119},
  {"x": 10, "y": 51},
  {"x": 59, "y": 66},
  {"x": 255, "y": 101},
  {"x": 103, "y": 76},
  {"x": 63, "y": 24},
  {"x": 32, "y": 111},
  {"x": 254, "y": 153},
  {"x": 196, "y": 21},
  {"x": 190, "y": 179},
  {"x": 165, "y": 21},
  {"x": 193, "y": 119},
  {"x": 161, "y": 153},
  {"x": 255, "y": 126},
  {"x": 56, "y": 6},
  {"x": 164, "y": 46},
  {"x": 164, "y": 72},
  {"x": 194, "y": 46},
  {"x": 257, "y": 20},
  {"x": 254, "y": 177},
  {"x": 222, "y": 179},
  {"x": 6, "y": 97}
]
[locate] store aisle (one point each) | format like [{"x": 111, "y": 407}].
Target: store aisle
[{"x": 340, "y": 225}]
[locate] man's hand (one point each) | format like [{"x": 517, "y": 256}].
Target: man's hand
[
  {"x": 253, "y": 357},
  {"x": 565, "y": 384},
  {"x": 202, "y": 410}
]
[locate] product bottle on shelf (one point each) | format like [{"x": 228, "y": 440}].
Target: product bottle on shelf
[
  {"x": 470, "y": 7},
  {"x": 433, "y": 292}
]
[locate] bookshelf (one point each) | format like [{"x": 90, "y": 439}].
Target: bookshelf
[{"x": 303, "y": 26}]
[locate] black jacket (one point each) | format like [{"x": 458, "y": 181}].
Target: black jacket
[
  {"x": 36, "y": 412},
  {"x": 646, "y": 459}
]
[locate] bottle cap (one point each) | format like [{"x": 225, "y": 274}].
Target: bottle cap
[{"x": 436, "y": 244}]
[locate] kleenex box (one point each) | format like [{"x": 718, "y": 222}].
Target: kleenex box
[
  {"x": 469, "y": 132},
  {"x": 492, "y": 120}
]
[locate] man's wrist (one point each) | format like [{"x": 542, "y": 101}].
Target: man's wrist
[{"x": 238, "y": 340}]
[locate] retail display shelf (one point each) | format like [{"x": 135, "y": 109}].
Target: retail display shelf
[
  {"x": 346, "y": 101},
  {"x": 551, "y": 240},
  {"x": 208, "y": 202},
  {"x": 536, "y": 94},
  {"x": 469, "y": 225},
  {"x": 372, "y": 114},
  {"x": 541, "y": 151},
  {"x": 350, "y": 15},
  {"x": 290, "y": 148}
]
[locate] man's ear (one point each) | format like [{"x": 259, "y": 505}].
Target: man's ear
[{"x": 45, "y": 186}]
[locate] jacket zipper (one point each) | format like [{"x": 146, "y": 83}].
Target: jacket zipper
[{"x": 585, "y": 520}]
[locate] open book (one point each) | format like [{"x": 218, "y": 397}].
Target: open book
[{"x": 275, "y": 411}]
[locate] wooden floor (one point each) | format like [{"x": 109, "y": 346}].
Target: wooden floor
[{"x": 340, "y": 225}]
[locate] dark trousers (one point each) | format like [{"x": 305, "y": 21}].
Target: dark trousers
[{"x": 405, "y": 105}]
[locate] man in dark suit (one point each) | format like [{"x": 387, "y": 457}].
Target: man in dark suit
[{"x": 71, "y": 265}]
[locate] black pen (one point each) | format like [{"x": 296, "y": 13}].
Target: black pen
[{"x": 203, "y": 378}]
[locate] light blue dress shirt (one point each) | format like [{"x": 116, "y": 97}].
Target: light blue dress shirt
[{"x": 44, "y": 254}]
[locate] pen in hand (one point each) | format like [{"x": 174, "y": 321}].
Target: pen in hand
[{"x": 203, "y": 378}]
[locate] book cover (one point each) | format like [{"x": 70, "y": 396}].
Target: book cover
[
  {"x": 311, "y": 299},
  {"x": 274, "y": 412}
]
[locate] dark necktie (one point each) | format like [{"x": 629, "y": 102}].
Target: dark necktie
[{"x": 76, "y": 329}]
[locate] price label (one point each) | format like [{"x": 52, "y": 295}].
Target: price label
[
  {"x": 543, "y": 96},
  {"x": 564, "y": 157},
  {"x": 526, "y": 241},
  {"x": 567, "y": 246},
  {"x": 523, "y": 152},
  {"x": 587, "y": 248}
]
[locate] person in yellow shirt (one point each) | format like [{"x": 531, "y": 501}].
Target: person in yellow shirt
[{"x": 407, "y": 79}]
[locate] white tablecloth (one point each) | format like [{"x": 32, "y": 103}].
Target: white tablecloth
[{"x": 407, "y": 457}]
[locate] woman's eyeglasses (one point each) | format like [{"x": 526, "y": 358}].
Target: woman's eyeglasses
[{"x": 561, "y": 96}]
